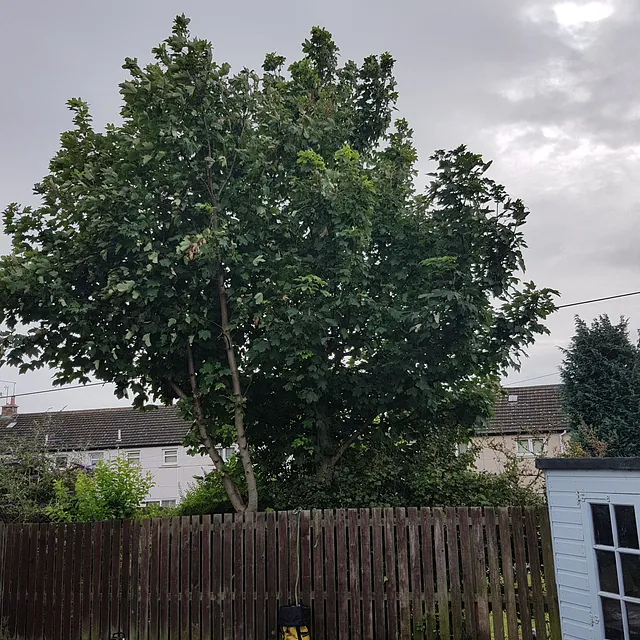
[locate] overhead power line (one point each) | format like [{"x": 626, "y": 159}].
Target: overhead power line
[
  {"x": 547, "y": 375},
  {"x": 34, "y": 393},
  {"x": 620, "y": 295}
]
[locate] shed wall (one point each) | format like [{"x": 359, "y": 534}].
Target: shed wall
[{"x": 569, "y": 492}]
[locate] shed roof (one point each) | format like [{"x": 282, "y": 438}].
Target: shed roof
[{"x": 536, "y": 409}]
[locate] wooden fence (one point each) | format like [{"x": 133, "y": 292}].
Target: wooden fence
[{"x": 381, "y": 573}]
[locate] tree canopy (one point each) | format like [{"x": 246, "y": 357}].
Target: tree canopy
[
  {"x": 253, "y": 246},
  {"x": 601, "y": 377}
]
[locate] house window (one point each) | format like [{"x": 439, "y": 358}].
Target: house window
[
  {"x": 133, "y": 456},
  {"x": 95, "y": 457},
  {"x": 228, "y": 453},
  {"x": 168, "y": 504},
  {"x": 170, "y": 456},
  {"x": 462, "y": 448},
  {"x": 62, "y": 462},
  {"x": 529, "y": 447},
  {"x": 617, "y": 554},
  {"x": 148, "y": 503}
]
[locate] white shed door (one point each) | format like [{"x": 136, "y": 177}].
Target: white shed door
[{"x": 615, "y": 564}]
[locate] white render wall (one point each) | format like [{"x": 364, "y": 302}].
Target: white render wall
[{"x": 172, "y": 480}]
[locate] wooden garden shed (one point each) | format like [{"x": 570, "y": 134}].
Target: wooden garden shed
[{"x": 594, "y": 507}]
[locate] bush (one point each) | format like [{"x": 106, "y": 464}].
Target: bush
[{"x": 113, "y": 490}]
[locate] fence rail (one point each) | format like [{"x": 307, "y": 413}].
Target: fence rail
[{"x": 380, "y": 573}]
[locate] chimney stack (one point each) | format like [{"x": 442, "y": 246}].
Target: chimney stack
[{"x": 10, "y": 410}]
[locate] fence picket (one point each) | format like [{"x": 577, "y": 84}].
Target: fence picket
[
  {"x": 457, "y": 627},
  {"x": 507, "y": 572}
]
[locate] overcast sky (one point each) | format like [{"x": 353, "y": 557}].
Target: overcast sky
[{"x": 549, "y": 90}]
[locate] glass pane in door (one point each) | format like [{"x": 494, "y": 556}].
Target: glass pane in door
[
  {"x": 627, "y": 529},
  {"x": 633, "y": 618},
  {"x": 603, "y": 533},
  {"x": 630, "y": 574},
  {"x": 607, "y": 571},
  {"x": 612, "y": 614}
]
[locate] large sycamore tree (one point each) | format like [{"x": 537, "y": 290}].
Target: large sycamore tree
[{"x": 252, "y": 246}]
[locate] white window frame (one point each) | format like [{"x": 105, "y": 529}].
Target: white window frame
[
  {"x": 98, "y": 455},
  {"x": 611, "y": 501},
  {"x": 148, "y": 503},
  {"x": 172, "y": 503},
  {"x": 133, "y": 456},
  {"x": 531, "y": 451},
  {"x": 173, "y": 453}
]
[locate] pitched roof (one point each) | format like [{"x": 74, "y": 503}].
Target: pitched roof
[
  {"x": 98, "y": 428},
  {"x": 529, "y": 410}
]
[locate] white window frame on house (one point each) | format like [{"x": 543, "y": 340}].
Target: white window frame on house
[
  {"x": 462, "y": 447},
  {"x": 170, "y": 453},
  {"x": 133, "y": 456},
  {"x": 168, "y": 504},
  {"x": 148, "y": 503},
  {"x": 531, "y": 449},
  {"x": 95, "y": 457}
]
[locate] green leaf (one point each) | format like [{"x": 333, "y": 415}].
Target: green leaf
[
  {"x": 259, "y": 298},
  {"x": 146, "y": 338}
]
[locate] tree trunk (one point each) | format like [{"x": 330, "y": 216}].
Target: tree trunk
[
  {"x": 241, "y": 434},
  {"x": 231, "y": 488}
]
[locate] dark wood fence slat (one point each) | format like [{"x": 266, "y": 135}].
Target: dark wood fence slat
[
  {"x": 195, "y": 590},
  {"x": 377, "y": 538},
  {"x": 262, "y": 601},
  {"x": 185, "y": 565},
  {"x": 40, "y": 612},
  {"x": 125, "y": 576},
  {"x": 105, "y": 581},
  {"x": 283, "y": 558},
  {"x": 342, "y": 571},
  {"x": 403, "y": 574},
  {"x": 271, "y": 549},
  {"x": 328, "y": 525},
  {"x": 23, "y": 577},
  {"x": 480, "y": 572},
  {"x": 5, "y": 577},
  {"x": 293, "y": 556},
  {"x": 441, "y": 573},
  {"x": 522, "y": 578},
  {"x": 134, "y": 588},
  {"x": 549, "y": 574},
  {"x": 227, "y": 576},
  {"x": 206, "y": 576},
  {"x": 507, "y": 572},
  {"x": 428, "y": 574},
  {"x": 216, "y": 575},
  {"x": 390, "y": 567},
  {"x": 468, "y": 589},
  {"x": 96, "y": 580},
  {"x": 174, "y": 580},
  {"x": 164, "y": 578},
  {"x": 367, "y": 566},
  {"x": 354, "y": 573},
  {"x": 238, "y": 572},
  {"x": 76, "y": 586},
  {"x": 535, "y": 571},
  {"x": 154, "y": 579},
  {"x": 317, "y": 544},
  {"x": 143, "y": 615},
  {"x": 116, "y": 543},
  {"x": 31, "y": 595},
  {"x": 457, "y": 626},
  {"x": 494, "y": 574},
  {"x": 249, "y": 586}
]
